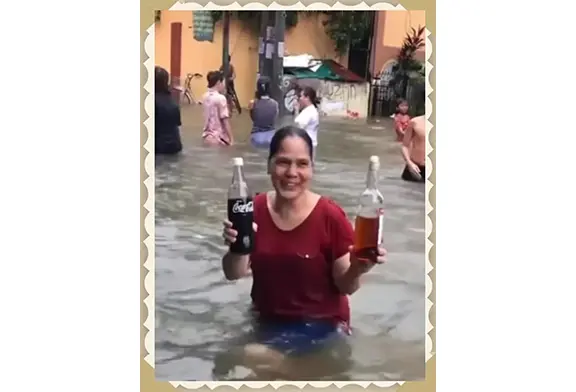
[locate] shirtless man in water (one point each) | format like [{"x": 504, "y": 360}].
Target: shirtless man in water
[{"x": 414, "y": 150}]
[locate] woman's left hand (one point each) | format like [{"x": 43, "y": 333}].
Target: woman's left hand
[{"x": 364, "y": 266}]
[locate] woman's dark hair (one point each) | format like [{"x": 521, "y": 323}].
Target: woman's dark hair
[
  {"x": 263, "y": 87},
  {"x": 214, "y": 77},
  {"x": 311, "y": 94},
  {"x": 289, "y": 131},
  {"x": 161, "y": 80}
]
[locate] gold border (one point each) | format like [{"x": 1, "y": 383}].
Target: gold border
[{"x": 147, "y": 379}]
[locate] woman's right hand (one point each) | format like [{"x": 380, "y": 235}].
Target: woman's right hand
[{"x": 229, "y": 234}]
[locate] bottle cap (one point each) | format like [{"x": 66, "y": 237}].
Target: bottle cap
[
  {"x": 374, "y": 159},
  {"x": 238, "y": 161}
]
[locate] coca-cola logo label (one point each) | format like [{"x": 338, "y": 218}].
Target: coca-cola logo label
[{"x": 242, "y": 208}]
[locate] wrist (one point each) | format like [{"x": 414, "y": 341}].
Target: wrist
[
  {"x": 355, "y": 270},
  {"x": 236, "y": 257},
  {"x": 360, "y": 267}
]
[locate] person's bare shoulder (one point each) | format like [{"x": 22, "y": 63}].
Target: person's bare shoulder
[
  {"x": 418, "y": 124},
  {"x": 417, "y": 121}
]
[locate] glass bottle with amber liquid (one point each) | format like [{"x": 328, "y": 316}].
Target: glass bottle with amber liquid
[{"x": 369, "y": 216}]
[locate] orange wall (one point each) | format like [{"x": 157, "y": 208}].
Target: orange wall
[
  {"x": 391, "y": 29},
  {"x": 308, "y": 37}
]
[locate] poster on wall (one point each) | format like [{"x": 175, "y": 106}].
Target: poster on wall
[{"x": 203, "y": 23}]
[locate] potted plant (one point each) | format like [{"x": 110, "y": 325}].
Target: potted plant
[{"x": 407, "y": 67}]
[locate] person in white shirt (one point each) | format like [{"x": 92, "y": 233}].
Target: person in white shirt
[{"x": 308, "y": 118}]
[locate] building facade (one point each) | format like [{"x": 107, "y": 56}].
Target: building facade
[{"x": 174, "y": 42}]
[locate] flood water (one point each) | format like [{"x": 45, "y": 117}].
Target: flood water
[{"x": 199, "y": 314}]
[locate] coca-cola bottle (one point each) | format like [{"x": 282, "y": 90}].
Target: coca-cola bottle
[
  {"x": 370, "y": 216},
  {"x": 240, "y": 210}
]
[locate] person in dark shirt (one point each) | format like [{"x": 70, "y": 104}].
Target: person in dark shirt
[
  {"x": 166, "y": 117},
  {"x": 231, "y": 96},
  {"x": 231, "y": 74},
  {"x": 264, "y": 113}
]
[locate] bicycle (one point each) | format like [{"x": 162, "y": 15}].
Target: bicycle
[{"x": 188, "y": 94}]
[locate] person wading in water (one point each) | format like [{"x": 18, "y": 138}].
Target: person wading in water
[
  {"x": 264, "y": 113},
  {"x": 217, "y": 130},
  {"x": 231, "y": 96},
  {"x": 303, "y": 266},
  {"x": 414, "y": 150},
  {"x": 167, "y": 120},
  {"x": 308, "y": 117},
  {"x": 401, "y": 119}
]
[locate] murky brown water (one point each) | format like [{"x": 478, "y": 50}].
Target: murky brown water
[{"x": 199, "y": 314}]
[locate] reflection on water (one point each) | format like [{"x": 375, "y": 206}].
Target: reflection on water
[{"x": 200, "y": 317}]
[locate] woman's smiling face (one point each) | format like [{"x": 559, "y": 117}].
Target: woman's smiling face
[{"x": 291, "y": 168}]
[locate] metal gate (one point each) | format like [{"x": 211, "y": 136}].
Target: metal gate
[{"x": 384, "y": 96}]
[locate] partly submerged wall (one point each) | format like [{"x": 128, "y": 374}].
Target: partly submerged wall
[{"x": 337, "y": 99}]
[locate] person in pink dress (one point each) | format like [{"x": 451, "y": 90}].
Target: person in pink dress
[{"x": 217, "y": 130}]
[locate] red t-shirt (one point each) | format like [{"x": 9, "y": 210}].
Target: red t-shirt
[{"x": 292, "y": 270}]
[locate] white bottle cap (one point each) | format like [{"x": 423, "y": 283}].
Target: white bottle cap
[
  {"x": 374, "y": 163},
  {"x": 238, "y": 161}
]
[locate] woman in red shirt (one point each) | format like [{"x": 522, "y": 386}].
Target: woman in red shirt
[{"x": 301, "y": 265}]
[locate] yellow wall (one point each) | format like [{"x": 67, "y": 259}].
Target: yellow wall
[
  {"x": 398, "y": 23},
  {"x": 308, "y": 37},
  {"x": 390, "y": 31}
]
